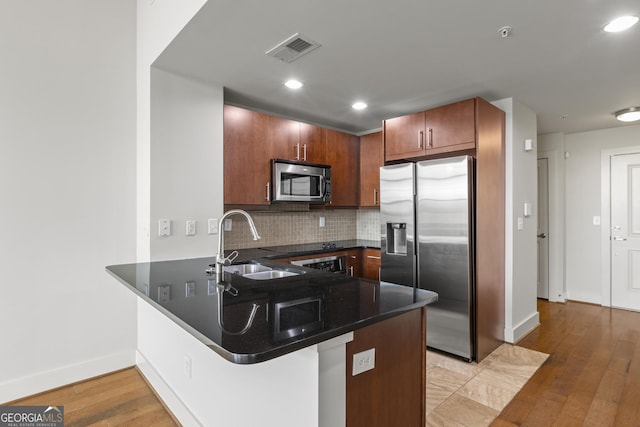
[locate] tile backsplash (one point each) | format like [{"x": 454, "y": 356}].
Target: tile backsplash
[{"x": 285, "y": 228}]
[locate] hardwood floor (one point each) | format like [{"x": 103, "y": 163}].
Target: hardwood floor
[
  {"x": 115, "y": 399},
  {"x": 592, "y": 377}
]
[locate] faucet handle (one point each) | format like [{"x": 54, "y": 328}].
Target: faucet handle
[{"x": 232, "y": 256}]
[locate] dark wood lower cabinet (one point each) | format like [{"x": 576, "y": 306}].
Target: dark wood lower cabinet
[{"x": 393, "y": 393}]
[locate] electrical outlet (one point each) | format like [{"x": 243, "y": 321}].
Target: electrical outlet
[
  {"x": 363, "y": 361},
  {"x": 228, "y": 224},
  {"x": 164, "y": 293},
  {"x": 164, "y": 227},
  {"x": 322, "y": 221},
  {"x": 190, "y": 289},
  {"x": 520, "y": 223}
]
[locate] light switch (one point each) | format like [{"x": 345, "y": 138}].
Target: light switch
[
  {"x": 191, "y": 227},
  {"x": 528, "y": 144},
  {"x": 596, "y": 220},
  {"x": 213, "y": 225},
  {"x": 527, "y": 209},
  {"x": 190, "y": 289}
]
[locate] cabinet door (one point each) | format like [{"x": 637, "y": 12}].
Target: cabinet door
[
  {"x": 404, "y": 137},
  {"x": 342, "y": 155},
  {"x": 247, "y": 169},
  {"x": 371, "y": 264},
  {"x": 371, "y": 159},
  {"x": 312, "y": 143},
  {"x": 354, "y": 262},
  {"x": 451, "y": 127},
  {"x": 284, "y": 139}
]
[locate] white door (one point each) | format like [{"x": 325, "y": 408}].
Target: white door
[
  {"x": 625, "y": 231},
  {"x": 543, "y": 228}
]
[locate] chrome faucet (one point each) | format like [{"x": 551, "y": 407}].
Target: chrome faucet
[{"x": 221, "y": 261}]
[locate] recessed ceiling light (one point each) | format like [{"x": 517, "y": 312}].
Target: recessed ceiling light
[
  {"x": 293, "y": 84},
  {"x": 628, "y": 114},
  {"x": 620, "y": 24},
  {"x": 359, "y": 105}
]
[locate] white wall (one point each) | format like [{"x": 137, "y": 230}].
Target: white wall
[
  {"x": 186, "y": 164},
  {"x": 283, "y": 391},
  {"x": 158, "y": 22},
  {"x": 583, "y": 202},
  {"x": 521, "y": 254},
  {"x": 551, "y": 146},
  {"x": 67, "y": 174}
]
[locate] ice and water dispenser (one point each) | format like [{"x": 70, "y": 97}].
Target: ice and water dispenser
[{"x": 397, "y": 238}]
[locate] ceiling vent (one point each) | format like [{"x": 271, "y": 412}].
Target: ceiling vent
[{"x": 293, "y": 48}]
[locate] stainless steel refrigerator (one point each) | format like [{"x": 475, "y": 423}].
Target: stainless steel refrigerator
[{"x": 427, "y": 218}]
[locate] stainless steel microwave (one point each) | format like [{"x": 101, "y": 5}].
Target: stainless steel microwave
[{"x": 300, "y": 182}]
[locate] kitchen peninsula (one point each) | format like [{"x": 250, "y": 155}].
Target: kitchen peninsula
[{"x": 245, "y": 358}]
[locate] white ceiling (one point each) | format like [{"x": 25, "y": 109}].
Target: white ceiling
[{"x": 403, "y": 56}]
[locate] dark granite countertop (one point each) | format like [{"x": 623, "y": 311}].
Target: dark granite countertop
[
  {"x": 318, "y": 248},
  {"x": 183, "y": 291}
]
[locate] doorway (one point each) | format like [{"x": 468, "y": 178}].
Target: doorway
[
  {"x": 625, "y": 231},
  {"x": 611, "y": 281},
  {"x": 543, "y": 228}
]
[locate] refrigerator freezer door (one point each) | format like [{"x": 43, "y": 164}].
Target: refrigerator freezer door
[
  {"x": 397, "y": 226},
  {"x": 444, "y": 196}
]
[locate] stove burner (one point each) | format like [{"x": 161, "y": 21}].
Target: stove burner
[{"x": 329, "y": 246}]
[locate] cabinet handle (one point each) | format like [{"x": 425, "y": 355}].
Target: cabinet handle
[
  {"x": 297, "y": 151},
  {"x": 420, "y": 138},
  {"x": 375, "y": 196},
  {"x": 351, "y": 271},
  {"x": 373, "y": 257},
  {"x": 304, "y": 152},
  {"x": 268, "y": 196},
  {"x": 430, "y": 140}
]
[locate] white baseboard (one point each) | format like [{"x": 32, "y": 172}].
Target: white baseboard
[
  {"x": 514, "y": 335},
  {"x": 170, "y": 399},
  {"x": 47, "y": 380}
]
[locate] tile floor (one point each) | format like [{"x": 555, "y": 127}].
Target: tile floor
[{"x": 473, "y": 394}]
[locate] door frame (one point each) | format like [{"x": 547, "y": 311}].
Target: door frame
[
  {"x": 547, "y": 214},
  {"x": 605, "y": 217},
  {"x": 555, "y": 196}
]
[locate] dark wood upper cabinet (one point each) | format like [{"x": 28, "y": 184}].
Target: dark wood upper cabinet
[
  {"x": 252, "y": 139},
  {"x": 292, "y": 140},
  {"x": 371, "y": 159},
  {"x": 247, "y": 167},
  {"x": 312, "y": 144},
  {"x": 284, "y": 138},
  {"x": 342, "y": 154},
  {"x": 439, "y": 130},
  {"x": 404, "y": 137}
]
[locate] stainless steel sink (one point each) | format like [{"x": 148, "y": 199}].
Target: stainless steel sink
[
  {"x": 268, "y": 275},
  {"x": 257, "y": 271},
  {"x": 244, "y": 269}
]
